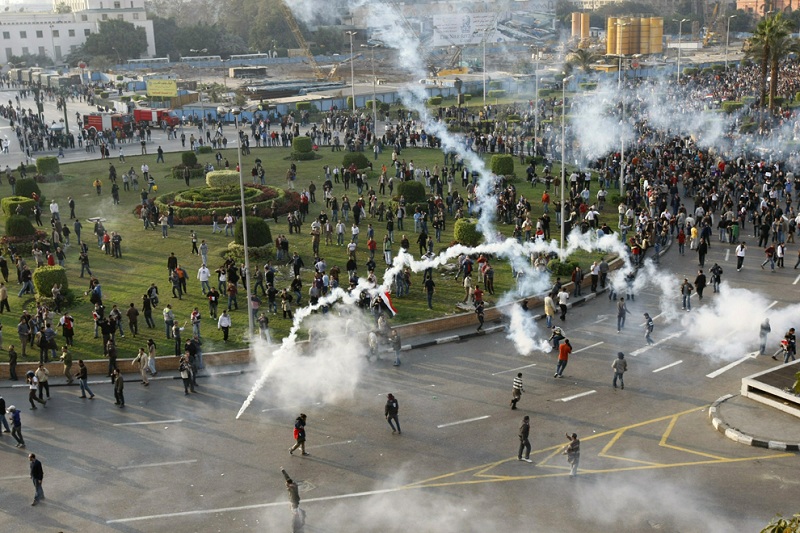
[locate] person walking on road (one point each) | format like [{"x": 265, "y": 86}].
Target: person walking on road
[
  {"x": 741, "y": 250},
  {"x": 37, "y": 476},
  {"x": 764, "y": 330},
  {"x": 394, "y": 338},
  {"x": 33, "y": 390},
  {"x": 622, "y": 310},
  {"x": 83, "y": 376},
  {"x": 16, "y": 425},
  {"x": 119, "y": 388},
  {"x": 299, "y": 435},
  {"x": 562, "y": 297},
  {"x": 573, "y": 453},
  {"x": 516, "y": 390},
  {"x": 524, "y": 440},
  {"x": 390, "y": 412},
  {"x": 686, "y": 295},
  {"x": 563, "y": 358},
  {"x": 620, "y": 366},
  {"x": 648, "y": 328},
  {"x": 716, "y": 277},
  {"x": 140, "y": 361},
  {"x": 700, "y": 283},
  {"x": 292, "y": 489},
  {"x": 480, "y": 313}
]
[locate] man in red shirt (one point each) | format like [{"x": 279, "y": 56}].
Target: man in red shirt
[{"x": 563, "y": 357}]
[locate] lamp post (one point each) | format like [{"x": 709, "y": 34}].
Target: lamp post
[
  {"x": 352, "y": 70},
  {"x": 727, "y": 40},
  {"x": 236, "y": 112},
  {"x": 680, "y": 35},
  {"x": 372, "y": 48},
  {"x": 563, "y": 153},
  {"x": 119, "y": 59},
  {"x": 535, "y": 56}
]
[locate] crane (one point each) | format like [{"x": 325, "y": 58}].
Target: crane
[{"x": 301, "y": 41}]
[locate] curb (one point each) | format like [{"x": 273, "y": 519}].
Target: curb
[
  {"x": 158, "y": 378},
  {"x": 742, "y": 438}
]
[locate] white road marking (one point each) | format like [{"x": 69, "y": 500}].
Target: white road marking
[
  {"x": 334, "y": 443},
  {"x": 796, "y": 279},
  {"x": 255, "y": 506},
  {"x": 287, "y": 407},
  {"x": 751, "y": 355},
  {"x": 676, "y": 363},
  {"x": 569, "y": 398},
  {"x": 602, "y": 319},
  {"x": 39, "y": 429},
  {"x": 652, "y": 318},
  {"x": 727, "y": 254},
  {"x": 643, "y": 349},
  {"x": 150, "y": 465},
  {"x": 10, "y": 478},
  {"x": 513, "y": 369},
  {"x": 587, "y": 347},
  {"x": 150, "y": 422},
  {"x": 463, "y": 421},
  {"x": 770, "y": 306}
]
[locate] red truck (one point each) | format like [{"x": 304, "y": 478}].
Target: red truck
[
  {"x": 106, "y": 121},
  {"x": 156, "y": 117}
]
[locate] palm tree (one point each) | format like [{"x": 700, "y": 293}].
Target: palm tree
[
  {"x": 583, "y": 58},
  {"x": 770, "y": 43}
]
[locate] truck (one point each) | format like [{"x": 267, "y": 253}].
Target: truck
[
  {"x": 156, "y": 117},
  {"x": 106, "y": 121}
]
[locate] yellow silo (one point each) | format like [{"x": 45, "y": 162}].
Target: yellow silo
[
  {"x": 644, "y": 36},
  {"x": 611, "y": 36},
  {"x": 576, "y": 25},
  {"x": 656, "y": 35}
]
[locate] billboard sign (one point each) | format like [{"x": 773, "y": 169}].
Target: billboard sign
[
  {"x": 463, "y": 29},
  {"x": 166, "y": 88}
]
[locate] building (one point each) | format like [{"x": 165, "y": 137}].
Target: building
[{"x": 57, "y": 34}]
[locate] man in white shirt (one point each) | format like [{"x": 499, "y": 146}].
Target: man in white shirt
[
  {"x": 54, "y": 210},
  {"x": 204, "y": 274}
]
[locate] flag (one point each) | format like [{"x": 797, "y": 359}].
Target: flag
[{"x": 387, "y": 301}]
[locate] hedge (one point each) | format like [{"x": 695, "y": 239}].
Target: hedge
[
  {"x": 10, "y": 203},
  {"x": 495, "y": 85},
  {"x": 349, "y": 102},
  {"x": 222, "y": 179},
  {"x": 466, "y": 233},
  {"x": 588, "y": 86},
  {"x": 355, "y": 158},
  {"x": 467, "y": 97},
  {"x": 730, "y": 107},
  {"x": 205, "y": 149},
  {"x": 257, "y": 254},
  {"x": 188, "y": 159},
  {"x": 557, "y": 268},
  {"x": 47, "y": 166},
  {"x": 303, "y": 106},
  {"x": 45, "y": 277},
  {"x": 303, "y": 156},
  {"x": 718, "y": 68},
  {"x": 497, "y": 94},
  {"x": 435, "y": 100},
  {"x": 197, "y": 171},
  {"x": 412, "y": 191},
  {"x": 544, "y": 93},
  {"x": 19, "y": 226},
  {"x": 258, "y": 233},
  {"x": 690, "y": 71},
  {"x": 191, "y": 211},
  {"x": 301, "y": 144},
  {"x": 503, "y": 164},
  {"x": 27, "y": 187}
]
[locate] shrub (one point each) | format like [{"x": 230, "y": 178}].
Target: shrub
[
  {"x": 27, "y": 187},
  {"x": 467, "y": 97},
  {"x": 503, "y": 164},
  {"x": 778, "y": 100},
  {"x": 46, "y": 276},
  {"x": 258, "y": 254},
  {"x": 690, "y": 71},
  {"x": 301, "y": 144},
  {"x": 589, "y": 86},
  {"x": 497, "y": 93},
  {"x": 19, "y": 226},
  {"x": 303, "y": 106},
  {"x": 222, "y": 179},
  {"x": 435, "y": 100},
  {"x": 495, "y": 85},
  {"x": 466, "y": 233},
  {"x": 730, "y": 107},
  {"x": 747, "y": 100},
  {"x": 258, "y": 233},
  {"x": 412, "y": 191},
  {"x": 355, "y": 158},
  {"x": 205, "y": 149},
  {"x": 104, "y": 94},
  {"x": 718, "y": 68},
  {"x": 544, "y": 93},
  {"x": 197, "y": 171},
  {"x": 10, "y": 204},
  {"x": 384, "y": 106},
  {"x": 303, "y": 156},
  {"x": 47, "y": 166},
  {"x": 188, "y": 159},
  {"x": 557, "y": 268},
  {"x": 706, "y": 71},
  {"x": 349, "y": 102}
]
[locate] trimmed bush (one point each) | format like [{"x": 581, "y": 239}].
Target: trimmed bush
[
  {"x": 197, "y": 171},
  {"x": 258, "y": 254},
  {"x": 10, "y": 204},
  {"x": 412, "y": 191},
  {"x": 222, "y": 179},
  {"x": 349, "y": 102},
  {"x": 496, "y": 94},
  {"x": 46, "y": 276},
  {"x": 556, "y": 267},
  {"x": 301, "y": 144},
  {"x": 467, "y": 97},
  {"x": 544, "y": 93},
  {"x": 205, "y": 149},
  {"x": 435, "y": 100},
  {"x": 27, "y": 187},
  {"x": 503, "y": 164},
  {"x": 588, "y": 86},
  {"x": 718, "y": 68},
  {"x": 19, "y": 226},
  {"x": 47, "y": 166},
  {"x": 748, "y": 100},
  {"x": 495, "y": 85},
  {"x": 778, "y": 100},
  {"x": 730, "y": 107},
  {"x": 188, "y": 159},
  {"x": 465, "y": 232},
  {"x": 384, "y": 107},
  {"x": 355, "y": 158},
  {"x": 706, "y": 71},
  {"x": 303, "y": 106},
  {"x": 690, "y": 71},
  {"x": 303, "y": 156},
  {"x": 258, "y": 233}
]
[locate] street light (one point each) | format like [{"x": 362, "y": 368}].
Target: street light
[
  {"x": 535, "y": 56},
  {"x": 352, "y": 69},
  {"x": 236, "y": 112},
  {"x": 485, "y": 32},
  {"x": 372, "y": 47},
  {"x": 119, "y": 59},
  {"x": 680, "y": 35},
  {"x": 563, "y": 153},
  {"x": 727, "y": 40}
]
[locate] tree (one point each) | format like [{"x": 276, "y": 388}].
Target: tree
[
  {"x": 583, "y": 58},
  {"x": 128, "y": 40},
  {"x": 165, "y": 31},
  {"x": 63, "y": 8},
  {"x": 769, "y": 44}
]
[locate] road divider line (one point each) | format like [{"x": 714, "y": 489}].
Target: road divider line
[
  {"x": 463, "y": 421},
  {"x": 676, "y": 363},
  {"x": 770, "y": 306},
  {"x": 334, "y": 443},
  {"x": 796, "y": 280},
  {"x": 575, "y": 396},
  {"x": 734, "y": 364},
  {"x": 727, "y": 254},
  {"x": 151, "y": 465},
  {"x": 11, "y": 478},
  {"x": 150, "y": 422},
  {"x": 513, "y": 369},
  {"x": 588, "y": 347}
]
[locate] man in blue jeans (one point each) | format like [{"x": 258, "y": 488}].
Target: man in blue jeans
[{"x": 429, "y": 288}]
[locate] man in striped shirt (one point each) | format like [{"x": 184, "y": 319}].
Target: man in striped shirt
[{"x": 516, "y": 390}]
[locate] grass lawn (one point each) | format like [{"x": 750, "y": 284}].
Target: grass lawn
[{"x": 145, "y": 253}]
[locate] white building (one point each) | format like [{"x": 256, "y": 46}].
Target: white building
[{"x": 56, "y": 35}]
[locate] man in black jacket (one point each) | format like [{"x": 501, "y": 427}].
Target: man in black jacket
[
  {"x": 390, "y": 411},
  {"x": 524, "y": 440},
  {"x": 37, "y": 476}
]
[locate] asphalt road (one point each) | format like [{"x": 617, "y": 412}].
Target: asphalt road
[{"x": 650, "y": 458}]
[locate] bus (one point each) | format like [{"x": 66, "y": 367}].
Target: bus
[
  {"x": 245, "y": 57},
  {"x": 149, "y": 61},
  {"x": 198, "y": 59}
]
